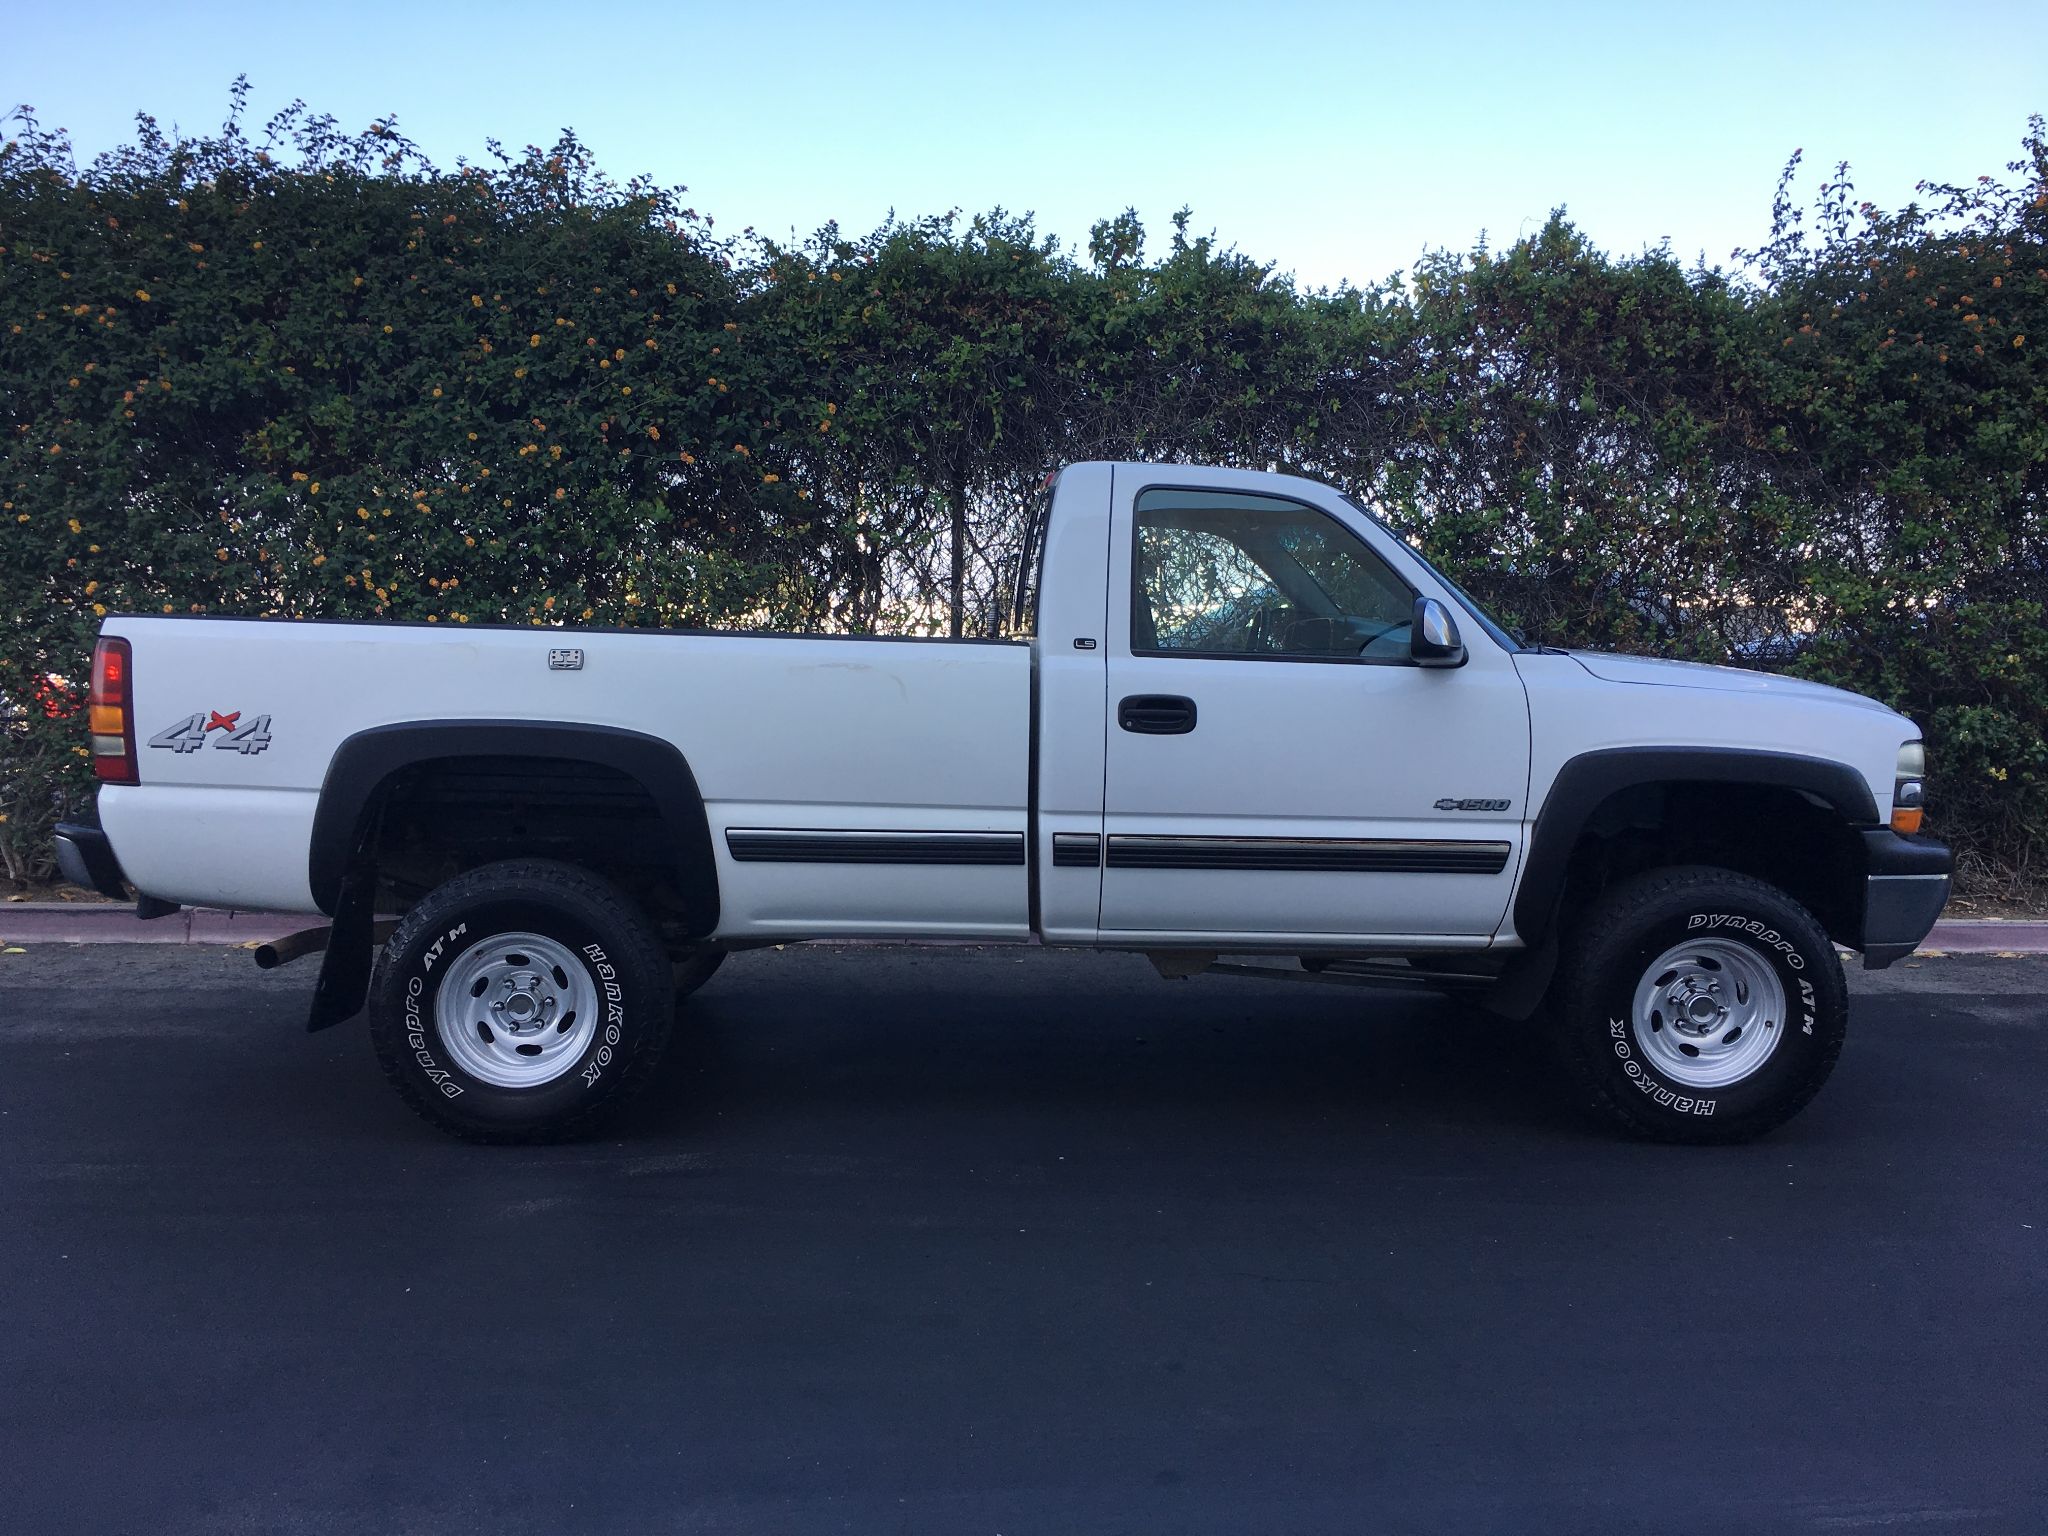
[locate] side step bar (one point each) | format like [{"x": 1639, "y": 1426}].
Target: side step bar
[{"x": 1390, "y": 972}]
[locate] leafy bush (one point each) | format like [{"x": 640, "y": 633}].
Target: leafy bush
[{"x": 313, "y": 374}]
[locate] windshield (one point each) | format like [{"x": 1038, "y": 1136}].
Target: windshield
[{"x": 1500, "y": 636}]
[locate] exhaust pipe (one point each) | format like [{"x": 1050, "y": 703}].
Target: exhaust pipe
[
  {"x": 292, "y": 946},
  {"x": 309, "y": 941}
]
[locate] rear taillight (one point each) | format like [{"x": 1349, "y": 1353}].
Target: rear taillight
[{"x": 111, "y": 712}]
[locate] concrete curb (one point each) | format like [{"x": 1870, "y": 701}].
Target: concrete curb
[
  {"x": 90, "y": 922},
  {"x": 65, "y": 922}
]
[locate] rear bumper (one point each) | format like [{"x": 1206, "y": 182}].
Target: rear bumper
[
  {"x": 1906, "y": 883},
  {"x": 86, "y": 858}
]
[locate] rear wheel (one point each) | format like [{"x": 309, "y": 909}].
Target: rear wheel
[
  {"x": 523, "y": 1001},
  {"x": 1700, "y": 1005}
]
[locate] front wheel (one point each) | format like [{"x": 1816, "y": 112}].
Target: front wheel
[
  {"x": 1700, "y": 1005},
  {"x": 523, "y": 1001}
]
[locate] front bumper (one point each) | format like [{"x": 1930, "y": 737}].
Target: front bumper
[
  {"x": 1905, "y": 886},
  {"x": 86, "y": 858}
]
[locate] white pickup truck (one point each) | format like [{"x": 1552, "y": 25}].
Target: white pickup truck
[{"x": 1239, "y": 718}]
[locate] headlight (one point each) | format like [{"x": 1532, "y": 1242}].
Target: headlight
[{"x": 1908, "y": 792}]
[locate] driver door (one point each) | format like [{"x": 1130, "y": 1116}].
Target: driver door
[{"x": 1275, "y": 755}]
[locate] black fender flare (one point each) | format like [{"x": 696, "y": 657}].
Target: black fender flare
[
  {"x": 1587, "y": 781},
  {"x": 364, "y": 763}
]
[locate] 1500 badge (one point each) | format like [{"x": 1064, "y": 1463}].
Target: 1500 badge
[{"x": 191, "y": 733}]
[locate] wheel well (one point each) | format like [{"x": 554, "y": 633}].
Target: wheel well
[
  {"x": 1774, "y": 833},
  {"x": 407, "y": 806},
  {"x": 434, "y": 819}
]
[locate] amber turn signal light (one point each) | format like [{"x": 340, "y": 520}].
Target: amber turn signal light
[{"x": 1908, "y": 806}]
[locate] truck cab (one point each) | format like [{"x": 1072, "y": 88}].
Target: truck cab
[{"x": 1264, "y": 722}]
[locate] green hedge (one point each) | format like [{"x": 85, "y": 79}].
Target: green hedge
[{"x": 313, "y": 374}]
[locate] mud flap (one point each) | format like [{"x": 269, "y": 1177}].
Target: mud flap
[
  {"x": 344, "y": 984},
  {"x": 1524, "y": 982}
]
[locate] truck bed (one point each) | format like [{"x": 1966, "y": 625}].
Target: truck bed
[{"x": 786, "y": 735}]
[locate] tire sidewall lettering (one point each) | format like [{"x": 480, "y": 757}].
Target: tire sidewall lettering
[
  {"x": 419, "y": 1031},
  {"x": 607, "y": 975},
  {"x": 1789, "y": 960},
  {"x": 1665, "y": 1098},
  {"x": 1766, "y": 936}
]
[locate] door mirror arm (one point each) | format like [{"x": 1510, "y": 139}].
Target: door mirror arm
[{"x": 1433, "y": 636}]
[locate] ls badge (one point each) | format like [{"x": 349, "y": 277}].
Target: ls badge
[{"x": 190, "y": 733}]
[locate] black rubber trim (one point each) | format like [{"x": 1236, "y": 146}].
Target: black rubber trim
[
  {"x": 85, "y": 857},
  {"x": 1591, "y": 778},
  {"x": 1076, "y": 850},
  {"x": 1908, "y": 885},
  {"x": 1886, "y": 852},
  {"x": 1034, "y": 909},
  {"x": 1398, "y": 856},
  {"x": 791, "y": 845},
  {"x": 364, "y": 763}
]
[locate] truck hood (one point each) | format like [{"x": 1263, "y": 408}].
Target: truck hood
[{"x": 1656, "y": 672}]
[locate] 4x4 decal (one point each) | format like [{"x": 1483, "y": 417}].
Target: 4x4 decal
[{"x": 190, "y": 733}]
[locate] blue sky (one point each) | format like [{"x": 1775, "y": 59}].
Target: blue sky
[{"x": 1336, "y": 141}]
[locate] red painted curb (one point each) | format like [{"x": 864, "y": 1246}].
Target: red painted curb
[{"x": 1987, "y": 936}]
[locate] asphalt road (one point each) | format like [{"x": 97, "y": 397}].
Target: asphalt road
[{"x": 1010, "y": 1242}]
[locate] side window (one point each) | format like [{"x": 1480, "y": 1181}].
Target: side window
[
  {"x": 1030, "y": 565},
  {"x": 1224, "y": 574}
]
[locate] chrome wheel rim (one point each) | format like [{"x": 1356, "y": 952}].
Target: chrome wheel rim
[
  {"x": 1709, "y": 1012},
  {"x": 516, "y": 1010}
]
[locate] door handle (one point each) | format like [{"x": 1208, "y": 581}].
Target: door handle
[{"x": 1156, "y": 714}]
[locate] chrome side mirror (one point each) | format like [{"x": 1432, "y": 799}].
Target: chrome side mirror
[{"x": 1433, "y": 636}]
